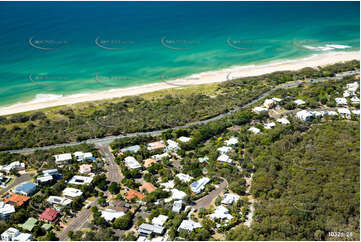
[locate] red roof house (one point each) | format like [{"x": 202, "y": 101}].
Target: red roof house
[{"x": 50, "y": 215}]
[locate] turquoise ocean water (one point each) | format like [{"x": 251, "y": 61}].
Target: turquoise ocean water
[{"x": 53, "y": 48}]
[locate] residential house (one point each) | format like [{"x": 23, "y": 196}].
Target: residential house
[
  {"x": 132, "y": 163},
  {"x": 16, "y": 165},
  {"x": 62, "y": 201},
  {"x": 148, "y": 162},
  {"x": 233, "y": 141},
  {"x": 260, "y": 109},
  {"x": 188, "y": 226},
  {"x": 184, "y": 139},
  {"x": 149, "y": 229},
  {"x": 80, "y": 180},
  {"x": 62, "y": 158},
  {"x": 341, "y": 101},
  {"x": 177, "y": 206},
  {"x": 344, "y": 112},
  {"x": 177, "y": 194},
  {"x": 299, "y": 102},
  {"x": 16, "y": 199},
  {"x": 80, "y": 156},
  {"x": 269, "y": 103},
  {"x": 29, "y": 224},
  {"x": 85, "y": 168},
  {"x": 356, "y": 112},
  {"x": 134, "y": 194},
  {"x": 160, "y": 220},
  {"x": 6, "y": 210},
  {"x": 132, "y": 149},
  {"x": 184, "y": 177},
  {"x": 156, "y": 145},
  {"x": 198, "y": 186},
  {"x": 304, "y": 115},
  {"x": 110, "y": 214},
  {"x": 278, "y": 100},
  {"x": 283, "y": 121},
  {"x": 355, "y": 100},
  {"x": 50, "y": 215},
  {"x": 168, "y": 185},
  {"x": 43, "y": 180},
  {"x": 148, "y": 187},
  {"x": 221, "y": 213},
  {"x": 72, "y": 193},
  {"x": 224, "y": 150},
  {"x": 254, "y": 130},
  {"x": 26, "y": 189},
  {"x": 13, "y": 234},
  {"x": 229, "y": 198},
  {"x": 224, "y": 158},
  {"x": 159, "y": 157},
  {"x": 172, "y": 146},
  {"x": 269, "y": 125}
]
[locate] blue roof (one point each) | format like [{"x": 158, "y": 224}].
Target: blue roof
[{"x": 26, "y": 187}]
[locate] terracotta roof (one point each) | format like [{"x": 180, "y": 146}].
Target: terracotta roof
[
  {"x": 16, "y": 199},
  {"x": 133, "y": 194},
  {"x": 156, "y": 145},
  {"x": 49, "y": 214},
  {"x": 148, "y": 162},
  {"x": 148, "y": 187}
]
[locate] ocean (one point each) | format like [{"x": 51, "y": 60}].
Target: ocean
[{"x": 54, "y": 49}]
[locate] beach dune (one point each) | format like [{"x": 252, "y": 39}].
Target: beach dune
[{"x": 201, "y": 78}]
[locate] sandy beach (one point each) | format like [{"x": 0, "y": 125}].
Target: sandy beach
[{"x": 201, "y": 78}]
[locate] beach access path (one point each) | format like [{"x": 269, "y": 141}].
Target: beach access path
[{"x": 107, "y": 140}]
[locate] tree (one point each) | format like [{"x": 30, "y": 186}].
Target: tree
[
  {"x": 123, "y": 222},
  {"x": 114, "y": 188}
]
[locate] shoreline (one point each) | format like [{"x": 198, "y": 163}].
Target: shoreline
[{"x": 195, "y": 79}]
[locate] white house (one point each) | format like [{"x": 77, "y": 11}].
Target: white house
[
  {"x": 80, "y": 180},
  {"x": 224, "y": 158},
  {"x": 62, "y": 201},
  {"x": 167, "y": 185},
  {"x": 269, "y": 125},
  {"x": 16, "y": 165},
  {"x": 355, "y": 100},
  {"x": 233, "y": 141},
  {"x": 254, "y": 130},
  {"x": 13, "y": 234},
  {"x": 132, "y": 163},
  {"x": 184, "y": 139},
  {"x": 184, "y": 177},
  {"x": 188, "y": 226},
  {"x": 172, "y": 146},
  {"x": 229, "y": 198},
  {"x": 63, "y": 158},
  {"x": 221, "y": 213},
  {"x": 260, "y": 109},
  {"x": 80, "y": 156},
  {"x": 299, "y": 102},
  {"x": 178, "y": 195},
  {"x": 283, "y": 121},
  {"x": 269, "y": 103},
  {"x": 341, "y": 101},
  {"x": 159, "y": 157},
  {"x": 224, "y": 149},
  {"x": 304, "y": 115},
  {"x": 44, "y": 179},
  {"x": 332, "y": 113},
  {"x": 352, "y": 86},
  {"x": 356, "y": 112},
  {"x": 72, "y": 192},
  {"x": 198, "y": 186},
  {"x": 160, "y": 220},
  {"x": 344, "y": 112},
  {"x": 6, "y": 210},
  {"x": 110, "y": 214},
  {"x": 177, "y": 206},
  {"x": 277, "y": 99}
]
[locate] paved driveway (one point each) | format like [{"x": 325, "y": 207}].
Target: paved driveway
[
  {"x": 20, "y": 179},
  {"x": 205, "y": 201}
]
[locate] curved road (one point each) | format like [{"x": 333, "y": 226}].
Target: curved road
[{"x": 107, "y": 140}]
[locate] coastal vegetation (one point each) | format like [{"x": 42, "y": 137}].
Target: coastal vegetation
[{"x": 145, "y": 113}]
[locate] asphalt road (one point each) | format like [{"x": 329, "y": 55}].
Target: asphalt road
[
  {"x": 205, "y": 201},
  {"x": 107, "y": 140},
  {"x": 113, "y": 170},
  {"x": 78, "y": 222},
  {"x": 20, "y": 179}
]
